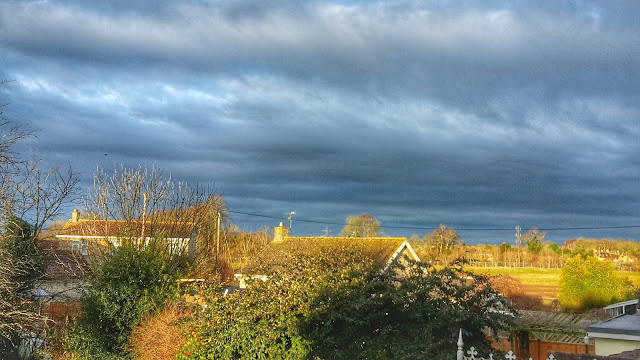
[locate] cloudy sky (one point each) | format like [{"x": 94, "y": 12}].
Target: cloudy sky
[{"x": 478, "y": 115}]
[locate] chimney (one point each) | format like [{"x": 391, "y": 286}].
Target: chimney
[
  {"x": 75, "y": 215},
  {"x": 280, "y": 232}
]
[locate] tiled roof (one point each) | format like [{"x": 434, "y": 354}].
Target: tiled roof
[
  {"x": 121, "y": 228},
  {"x": 378, "y": 249}
]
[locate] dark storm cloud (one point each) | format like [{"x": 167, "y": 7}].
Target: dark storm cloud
[{"x": 471, "y": 114}]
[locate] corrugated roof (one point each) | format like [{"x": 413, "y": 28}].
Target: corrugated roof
[{"x": 377, "y": 249}]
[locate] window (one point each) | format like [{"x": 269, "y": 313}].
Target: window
[{"x": 80, "y": 245}]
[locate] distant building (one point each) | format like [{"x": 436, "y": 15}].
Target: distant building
[
  {"x": 82, "y": 236},
  {"x": 68, "y": 254}
]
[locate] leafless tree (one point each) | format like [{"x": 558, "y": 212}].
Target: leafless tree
[
  {"x": 35, "y": 195},
  {"x": 441, "y": 240},
  {"x": 155, "y": 208}
]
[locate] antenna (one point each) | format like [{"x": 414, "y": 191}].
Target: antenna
[{"x": 291, "y": 218}]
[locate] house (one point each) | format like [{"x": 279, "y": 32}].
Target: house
[
  {"x": 60, "y": 290},
  {"x": 606, "y": 256},
  {"x": 381, "y": 251},
  {"x": 68, "y": 254},
  {"x": 625, "y": 260},
  {"x": 84, "y": 236},
  {"x": 616, "y": 335}
]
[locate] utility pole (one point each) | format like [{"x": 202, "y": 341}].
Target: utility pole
[
  {"x": 144, "y": 219},
  {"x": 326, "y": 231},
  {"x": 518, "y": 242},
  {"x": 218, "y": 240}
]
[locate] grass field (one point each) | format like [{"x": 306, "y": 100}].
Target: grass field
[{"x": 540, "y": 282}]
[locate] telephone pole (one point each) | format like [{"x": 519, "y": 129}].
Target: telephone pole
[
  {"x": 518, "y": 242},
  {"x": 218, "y": 240}
]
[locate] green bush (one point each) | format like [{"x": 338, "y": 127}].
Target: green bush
[
  {"x": 587, "y": 283},
  {"x": 21, "y": 264},
  {"x": 20, "y": 244},
  {"x": 128, "y": 285},
  {"x": 330, "y": 307},
  {"x": 263, "y": 321},
  {"x": 409, "y": 312}
]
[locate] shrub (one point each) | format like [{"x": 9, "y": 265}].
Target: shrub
[
  {"x": 21, "y": 245},
  {"x": 409, "y": 312},
  {"x": 263, "y": 321},
  {"x": 127, "y": 286},
  {"x": 160, "y": 337},
  {"x": 587, "y": 283},
  {"x": 323, "y": 307}
]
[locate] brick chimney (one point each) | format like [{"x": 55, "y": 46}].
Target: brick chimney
[
  {"x": 75, "y": 216},
  {"x": 280, "y": 232}
]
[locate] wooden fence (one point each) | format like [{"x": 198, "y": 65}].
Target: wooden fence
[{"x": 472, "y": 353}]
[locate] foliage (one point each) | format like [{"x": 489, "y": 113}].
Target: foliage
[
  {"x": 363, "y": 225},
  {"x": 591, "y": 283},
  {"x": 241, "y": 246},
  {"x": 335, "y": 308},
  {"x": 514, "y": 290},
  {"x": 20, "y": 244},
  {"x": 159, "y": 336},
  {"x": 127, "y": 286},
  {"x": 21, "y": 265},
  {"x": 409, "y": 312},
  {"x": 533, "y": 238},
  {"x": 262, "y": 322}
]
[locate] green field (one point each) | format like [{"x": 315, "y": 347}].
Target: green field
[{"x": 540, "y": 282}]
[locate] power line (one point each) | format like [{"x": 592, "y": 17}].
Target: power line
[{"x": 435, "y": 227}]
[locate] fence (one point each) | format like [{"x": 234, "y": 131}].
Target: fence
[{"x": 472, "y": 354}]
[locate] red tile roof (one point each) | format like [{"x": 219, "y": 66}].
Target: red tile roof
[{"x": 121, "y": 228}]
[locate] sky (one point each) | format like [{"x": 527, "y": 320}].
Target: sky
[{"x": 479, "y": 115}]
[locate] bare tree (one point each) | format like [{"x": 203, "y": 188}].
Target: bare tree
[
  {"x": 154, "y": 209},
  {"x": 442, "y": 240},
  {"x": 33, "y": 195}
]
